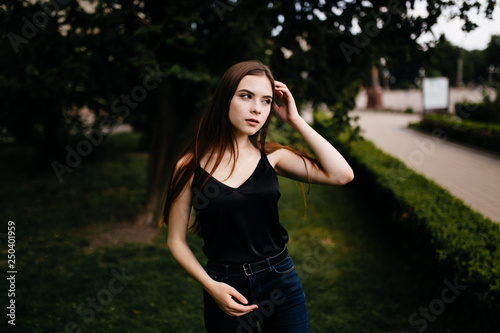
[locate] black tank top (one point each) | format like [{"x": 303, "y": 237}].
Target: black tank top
[{"x": 240, "y": 225}]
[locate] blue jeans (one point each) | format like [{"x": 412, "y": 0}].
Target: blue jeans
[{"x": 278, "y": 293}]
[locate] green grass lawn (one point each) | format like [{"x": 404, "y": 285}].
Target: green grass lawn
[{"x": 355, "y": 272}]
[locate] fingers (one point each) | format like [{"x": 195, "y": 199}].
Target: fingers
[
  {"x": 275, "y": 107},
  {"x": 238, "y": 296},
  {"x": 240, "y": 309},
  {"x": 282, "y": 91},
  {"x": 226, "y": 302},
  {"x": 279, "y": 84},
  {"x": 281, "y": 87},
  {"x": 279, "y": 93},
  {"x": 236, "y": 309}
]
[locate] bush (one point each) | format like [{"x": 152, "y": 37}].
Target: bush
[
  {"x": 482, "y": 135},
  {"x": 486, "y": 111},
  {"x": 458, "y": 241},
  {"x": 463, "y": 242},
  {"x": 446, "y": 235}
]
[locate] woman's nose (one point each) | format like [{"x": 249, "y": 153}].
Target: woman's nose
[{"x": 257, "y": 108}]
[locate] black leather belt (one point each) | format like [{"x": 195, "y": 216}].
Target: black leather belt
[{"x": 250, "y": 268}]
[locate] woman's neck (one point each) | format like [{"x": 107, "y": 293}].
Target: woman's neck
[{"x": 242, "y": 143}]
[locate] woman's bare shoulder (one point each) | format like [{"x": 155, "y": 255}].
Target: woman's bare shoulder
[
  {"x": 275, "y": 153},
  {"x": 181, "y": 163}
]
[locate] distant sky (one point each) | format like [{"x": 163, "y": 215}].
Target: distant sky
[{"x": 476, "y": 40}]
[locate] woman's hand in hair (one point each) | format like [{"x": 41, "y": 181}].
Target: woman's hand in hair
[
  {"x": 334, "y": 168},
  {"x": 223, "y": 295},
  {"x": 287, "y": 111}
]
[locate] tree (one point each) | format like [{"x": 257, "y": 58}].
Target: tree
[
  {"x": 57, "y": 58},
  {"x": 492, "y": 56},
  {"x": 493, "y": 50},
  {"x": 475, "y": 66},
  {"x": 441, "y": 60},
  {"x": 111, "y": 47}
]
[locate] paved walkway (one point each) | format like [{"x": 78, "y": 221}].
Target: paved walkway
[{"x": 470, "y": 174}]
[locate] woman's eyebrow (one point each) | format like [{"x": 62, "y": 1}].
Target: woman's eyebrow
[{"x": 251, "y": 93}]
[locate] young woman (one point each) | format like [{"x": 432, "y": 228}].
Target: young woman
[{"x": 228, "y": 174}]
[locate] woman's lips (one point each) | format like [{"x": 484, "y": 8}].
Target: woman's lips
[{"x": 252, "y": 122}]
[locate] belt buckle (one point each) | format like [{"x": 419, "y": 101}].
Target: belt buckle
[{"x": 245, "y": 267}]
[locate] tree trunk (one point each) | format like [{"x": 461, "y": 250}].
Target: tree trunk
[
  {"x": 161, "y": 154},
  {"x": 56, "y": 135},
  {"x": 171, "y": 124}
]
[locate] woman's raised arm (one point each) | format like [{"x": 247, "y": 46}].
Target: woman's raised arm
[{"x": 336, "y": 169}]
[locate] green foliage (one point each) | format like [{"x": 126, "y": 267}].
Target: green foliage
[
  {"x": 326, "y": 124},
  {"x": 475, "y": 67},
  {"x": 74, "y": 60},
  {"x": 480, "y": 134},
  {"x": 493, "y": 52},
  {"x": 77, "y": 58},
  {"x": 284, "y": 134},
  {"x": 486, "y": 111},
  {"x": 447, "y": 234},
  {"x": 439, "y": 58}
]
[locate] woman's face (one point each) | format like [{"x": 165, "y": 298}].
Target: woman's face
[{"x": 251, "y": 104}]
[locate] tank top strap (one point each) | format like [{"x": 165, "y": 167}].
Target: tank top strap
[
  {"x": 263, "y": 155},
  {"x": 267, "y": 163}
]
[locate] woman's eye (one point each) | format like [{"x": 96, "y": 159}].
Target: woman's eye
[
  {"x": 267, "y": 101},
  {"x": 246, "y": 96}
]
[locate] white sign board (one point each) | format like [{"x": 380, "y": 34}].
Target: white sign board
[{"x": 435, "y": 93}]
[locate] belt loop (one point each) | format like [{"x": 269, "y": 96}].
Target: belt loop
[
  {"x": 268, "y": 263},
  {"x": 226, "y": 271}
]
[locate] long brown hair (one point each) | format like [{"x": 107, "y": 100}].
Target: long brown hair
[{"x": 214, "y": 136}]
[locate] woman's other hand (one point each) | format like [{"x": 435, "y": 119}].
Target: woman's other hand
[
  {"x": 223, "y": 295},
  {"x": 288, "y": 110}
]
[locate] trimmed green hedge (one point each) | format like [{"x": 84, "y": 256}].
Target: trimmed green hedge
[
  {"x": 486, "y": 111},
  {"x": 483, "y": 135},
  {"x": 483, "y": 112},
  {"x": 448, "y": 236}
]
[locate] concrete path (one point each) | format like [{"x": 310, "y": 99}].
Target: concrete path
[{"x": 470, "y": 174}]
